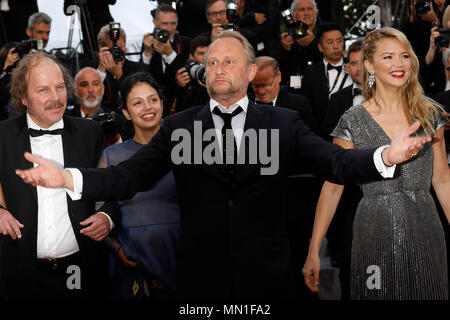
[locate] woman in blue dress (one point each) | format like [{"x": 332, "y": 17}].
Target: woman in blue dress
[{"x": 143, "y": 263}]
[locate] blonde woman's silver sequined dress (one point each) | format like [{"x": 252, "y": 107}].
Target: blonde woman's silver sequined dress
[{"x": 398, "y": 248}]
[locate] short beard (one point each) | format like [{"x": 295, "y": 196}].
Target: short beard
[{"x": 91, "y": 104}]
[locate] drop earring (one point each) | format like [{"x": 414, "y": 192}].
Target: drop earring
[{"x": 371, "y": 79}]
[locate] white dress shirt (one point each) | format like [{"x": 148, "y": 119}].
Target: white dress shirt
[
  {"x": 332, "y": 74},
  {"x": 237, "y": 123},
  {"x": 165, "y": 61},
  {"x": 55, "y": 237}
]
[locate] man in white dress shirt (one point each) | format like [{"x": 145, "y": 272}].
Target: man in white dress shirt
[{"x": 50, "y": 246}]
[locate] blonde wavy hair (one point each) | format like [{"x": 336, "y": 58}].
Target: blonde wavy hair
[{"x": 415, "y": 104}]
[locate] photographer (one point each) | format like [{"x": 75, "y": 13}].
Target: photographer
[
  {"x": 432, "y": 68},
  {"x": 8, "y": 60},
  {"x": 263, "y": 19},
  {"x": 422, "y": 16},
  {"x": 300, "y": 51},
  {"x": 89, "y": 91},
  {"x": 38, "y": 31},
  {"x": 165, "y": 50},
  {"x": 39, "y": 25},
  {"x": 222, "y": 15},
  {"x": 112, "y": 64},
  {"x": 189, "y": 91}
]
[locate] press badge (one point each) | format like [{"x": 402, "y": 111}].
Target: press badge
[
  {"x": 295, "y": 82},
  {"x": 260, "y": 46}
]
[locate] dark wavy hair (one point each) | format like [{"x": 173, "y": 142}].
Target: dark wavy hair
[{"x": 140, "y": 77}]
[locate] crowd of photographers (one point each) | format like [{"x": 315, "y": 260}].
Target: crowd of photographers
[{"x": 291, "y": 32}]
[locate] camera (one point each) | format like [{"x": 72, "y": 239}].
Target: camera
[
  {"x": 161, "y": 35},
  {"x": 443, "y": 40},
  {"x": 231, "y": 15},
  {"x": 114, "y": 35},
  {"x": 296, "y": 29},
  {"x": 108, "y": 121},
  {"x": 174, "y": 4},
  {"x": 196, "y": 71},
  {"x": 422, "y": 7},
  {"x": 24, "y": 47}
]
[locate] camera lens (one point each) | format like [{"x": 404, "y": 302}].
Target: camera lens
[{"x": 422, "y": 7}]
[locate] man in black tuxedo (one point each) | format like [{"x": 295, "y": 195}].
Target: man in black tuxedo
[
  {"x": 347, "y": 97},
  {"x": 327, "y": 76},
  {"x": 340, "y": 232},
  {"x": 233, "y": 236},
  {"x": 266, "y": 88},
  {"x": 165, "y": 58},
  {"x": 50, "y": 244}
]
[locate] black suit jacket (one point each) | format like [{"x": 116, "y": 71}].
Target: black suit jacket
[
  {"x": 83, "y": 143},
  {"x": 300, "y": 104},
  {"x": 339, "y": 103},
  {"x": 315, "y": 88},
  {"x": 443, "y": 98},
  {"x": 233, "y": 240}
]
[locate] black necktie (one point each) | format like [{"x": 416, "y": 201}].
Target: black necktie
[
  {"x": 40, "y": 132},
  {"x": 227, "y": 129},
  {"x": 356, "y": 92},
  {"x": 337, "y": 68}
]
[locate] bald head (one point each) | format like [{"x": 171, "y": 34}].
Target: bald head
[
  {"x": 266, "y": 83},
  {"x": 89, "y": 88}
]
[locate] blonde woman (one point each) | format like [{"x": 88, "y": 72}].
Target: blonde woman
[{"x": 398, "y": 247}]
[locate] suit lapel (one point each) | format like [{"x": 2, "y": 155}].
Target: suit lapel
[
  {"x": 256, "y": 119},
  {"x": 205, "y": 117},
  {"x": 23, "y": 143}
]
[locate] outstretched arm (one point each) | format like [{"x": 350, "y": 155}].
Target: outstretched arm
[
  {"x": 326, "y": 207},
  {"x": 46, "y": 174}
]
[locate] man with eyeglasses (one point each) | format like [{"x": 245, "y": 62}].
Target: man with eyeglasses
[
  {"x": 266, "y": 87},
  {"x": 216, "y": 14}
]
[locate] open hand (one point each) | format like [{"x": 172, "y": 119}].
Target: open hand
[
  {"x": 46, "y": 174},
  {"x": 404, "y": 146}
]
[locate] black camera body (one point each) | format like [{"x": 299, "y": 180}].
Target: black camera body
[
  {"x": 443, "y": 40},
  {"x": 196, "y": 71},
  {"x": 296, "y": 29},
  {"x": 108, "y": 121},
  {"x": 24, "y": 47},
  {"x": 161, "y": 35},
  {"x": 422, "y": 7},
  {"x": 114, "y": 35},
  {"x": 231, "y": 15}
]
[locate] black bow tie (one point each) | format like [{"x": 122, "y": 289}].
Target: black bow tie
[
  {"x": 357, "y": 92},
  {"x": 40, "y": 132},
  {"x": 337, "y": 68}
]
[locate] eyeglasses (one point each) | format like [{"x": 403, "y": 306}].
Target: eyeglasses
[
  {"x": 263, "y": 86},
  {"x": 217, "y": 13}
]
